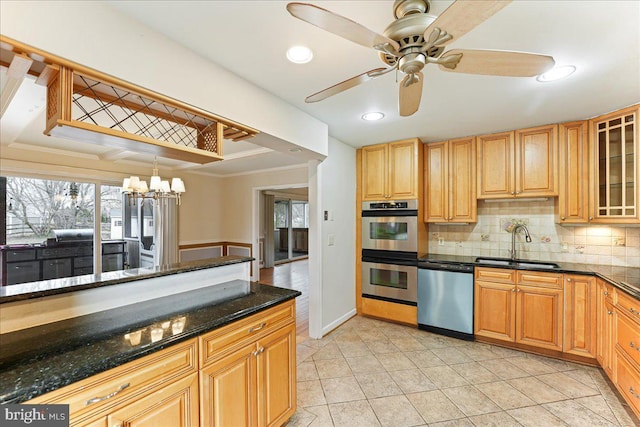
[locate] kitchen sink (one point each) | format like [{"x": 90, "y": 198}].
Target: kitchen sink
[{"x": 517, "y": 263}]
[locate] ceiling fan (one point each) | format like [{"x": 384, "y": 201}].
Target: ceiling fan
[{"x": 416, "y": 38}]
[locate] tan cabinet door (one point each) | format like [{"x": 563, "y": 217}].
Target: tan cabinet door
[
  {"x": 539, "y": 317},
  {"x": 462, "y": 180},
  {"x": 536, "y": 161},
  {"x": 374, "y": 172},
  {"x": 174, "y": 405},
  {"x": 494, "y": 313},
  {"x": 403, "y": 169},
  {"x": 436, "y": 182},
  {"x": 495, "y": 166},
  {"x": 277, "y": 377},
  {"x": 573, "y": 176},
  {"x": 228, "y": 390},
  {"x": 580, "y": 315}
]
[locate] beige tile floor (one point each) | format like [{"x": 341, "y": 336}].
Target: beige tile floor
[{"x": 374, "y": 373}]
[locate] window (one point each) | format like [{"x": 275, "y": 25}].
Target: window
[
  {"x": 300, "y": 214},
  {"x": 49, "y": 227}
]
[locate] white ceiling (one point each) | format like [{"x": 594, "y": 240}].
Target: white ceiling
[{"x": 249, "y": 38}]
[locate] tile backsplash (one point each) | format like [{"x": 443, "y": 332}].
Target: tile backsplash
[{"x": 490, "y": 236}]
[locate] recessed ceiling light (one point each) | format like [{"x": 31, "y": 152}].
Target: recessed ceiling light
[
  {"x": 299, "y": 54},
  {"x": 556, "y": 73},
  {"x": 372, "y": 116}
]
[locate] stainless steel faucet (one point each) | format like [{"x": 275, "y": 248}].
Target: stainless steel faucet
[{"x": 527, "y": 238}]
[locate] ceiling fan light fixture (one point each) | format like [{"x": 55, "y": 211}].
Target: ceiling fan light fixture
[
  {"x": 299, "y": 54},
  {"x": 556, "y": 73},
  {"x": 372, "y": 116}
]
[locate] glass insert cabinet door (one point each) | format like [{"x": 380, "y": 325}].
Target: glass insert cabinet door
[{"x": 616, "y": 173}]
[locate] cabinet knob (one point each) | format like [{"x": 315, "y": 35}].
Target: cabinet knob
[
  {"x": 518, "y": 192},
  {"x": 513, "y": 193},
  {"x": 562, "y": 218},
  {"x": 519, "y": 290},
  {"x": 606, "y": 294},
  {"x": 590, "y": 218},
  {"x": 513, "y": 290},
  {"x": 609, "y": 312},
  {"x": 568, "y": 279},
  {"x": 633, "y": 393}
]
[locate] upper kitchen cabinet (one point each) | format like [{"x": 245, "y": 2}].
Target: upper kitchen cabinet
[
  {"x": 390, "y": 171},
  {"x": 450, "y": 181},
  {"x": 615, "y": 168},
  {"x": 518, "y": 164},
  {"x": 572, "y": 206}
]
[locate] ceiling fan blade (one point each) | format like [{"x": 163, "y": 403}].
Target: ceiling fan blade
[
  {"x": 463, "y": 16},
  {"x": 410, "y": 94},
  {"x": 339, "y": 25},
  {"x": 499, "y": 63},
  {"x": 347, "y": 84}
]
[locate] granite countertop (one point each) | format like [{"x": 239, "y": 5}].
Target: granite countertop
[
  {"x": 23, "y": 291},
  {"x": 625, "y": 278},
  {"x": 41, "y": 359}
]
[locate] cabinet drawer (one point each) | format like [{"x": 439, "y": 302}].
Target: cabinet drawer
[
  {"x": 25, "y": 255},
  {"x": 83, "y": 261},
  {"x": 628, "y": 337},
  {"x": 21, "y": 272},
  {"x": 103, "y": 391},
  {"x": 629, "y": 382},
  {"x": 629, "y": 305},
  {"x": 540, "y": 279},
  {"x": 495, "y": 275},
  {"x": 224, "y": 340}
]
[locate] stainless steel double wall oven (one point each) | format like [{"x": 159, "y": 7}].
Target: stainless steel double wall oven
[{"x": 390, "y": 251}]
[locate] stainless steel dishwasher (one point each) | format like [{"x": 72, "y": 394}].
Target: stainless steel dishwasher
[{"x": 445, "y": 298}]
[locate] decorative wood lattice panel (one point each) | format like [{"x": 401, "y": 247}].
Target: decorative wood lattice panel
[{"x": 115, "y": 113}]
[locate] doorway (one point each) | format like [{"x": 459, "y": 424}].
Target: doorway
[{"x": 290, "y": 230}]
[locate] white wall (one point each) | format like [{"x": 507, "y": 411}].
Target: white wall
[
  {"x": 337, "y": 194},
  {"x": 95, "y": 35}
]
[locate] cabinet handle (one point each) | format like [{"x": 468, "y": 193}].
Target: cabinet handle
[
  {"x": 262, "y": 325},
  {"x": 258, "y": 351},
  {"x": 633, "y": 311},
  {"x": 633, "y": 393},
  {"x": 632, "y": 345},
  {"x": 108, "y": 396}
]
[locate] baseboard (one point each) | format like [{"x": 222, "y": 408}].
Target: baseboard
[{"x": 339, "y": 321}]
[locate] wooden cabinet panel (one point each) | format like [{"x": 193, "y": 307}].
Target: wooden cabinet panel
[
  {"x": 539, "y": 317},
  {"x": 390, "y": 311},
  {"x": 580, "y": 301},
  {"x": 225, "y": 340},
  {"x": 87, "y": 397},
  {"x": 228, "y": 390},
  {"x": 277, "y": 377},
  {"x": 494, "y": 313},
  {"x": 628, "y": 381},
  {"x": 495, "y": 275},
  {"x": 573, "y": 173},
  {"x": 462, "y": 180},
  {"x": 536, "y": 157},
  {"x": 403, "y": 170},
  {"x": 628, "y": 337},
  {"x": 628, "y": 305},
  {"x": 495, "y": 165},
  {"x": 436, "y": 180},
  {"x": 174, "y": 405},
  {"x": 539, "y": 279},
  {"x": 450, "y": 181},
  {"x": 374, "y": 172}
]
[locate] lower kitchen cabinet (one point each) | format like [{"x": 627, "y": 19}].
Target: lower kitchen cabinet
[
  {"x": 254, "y": 386},
  {"x": 580, "y": 302},
  {"x": 519, "y": 307},
  {"x": 241, "y": 374}
]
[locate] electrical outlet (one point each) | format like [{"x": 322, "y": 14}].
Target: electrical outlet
[
  {"x": 332, "y": 239},
  {"x": 440, "y": 241},
  {"x": 564, "y": 246}
]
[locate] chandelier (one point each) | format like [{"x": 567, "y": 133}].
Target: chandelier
[{"x": 158, "y": 188}]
